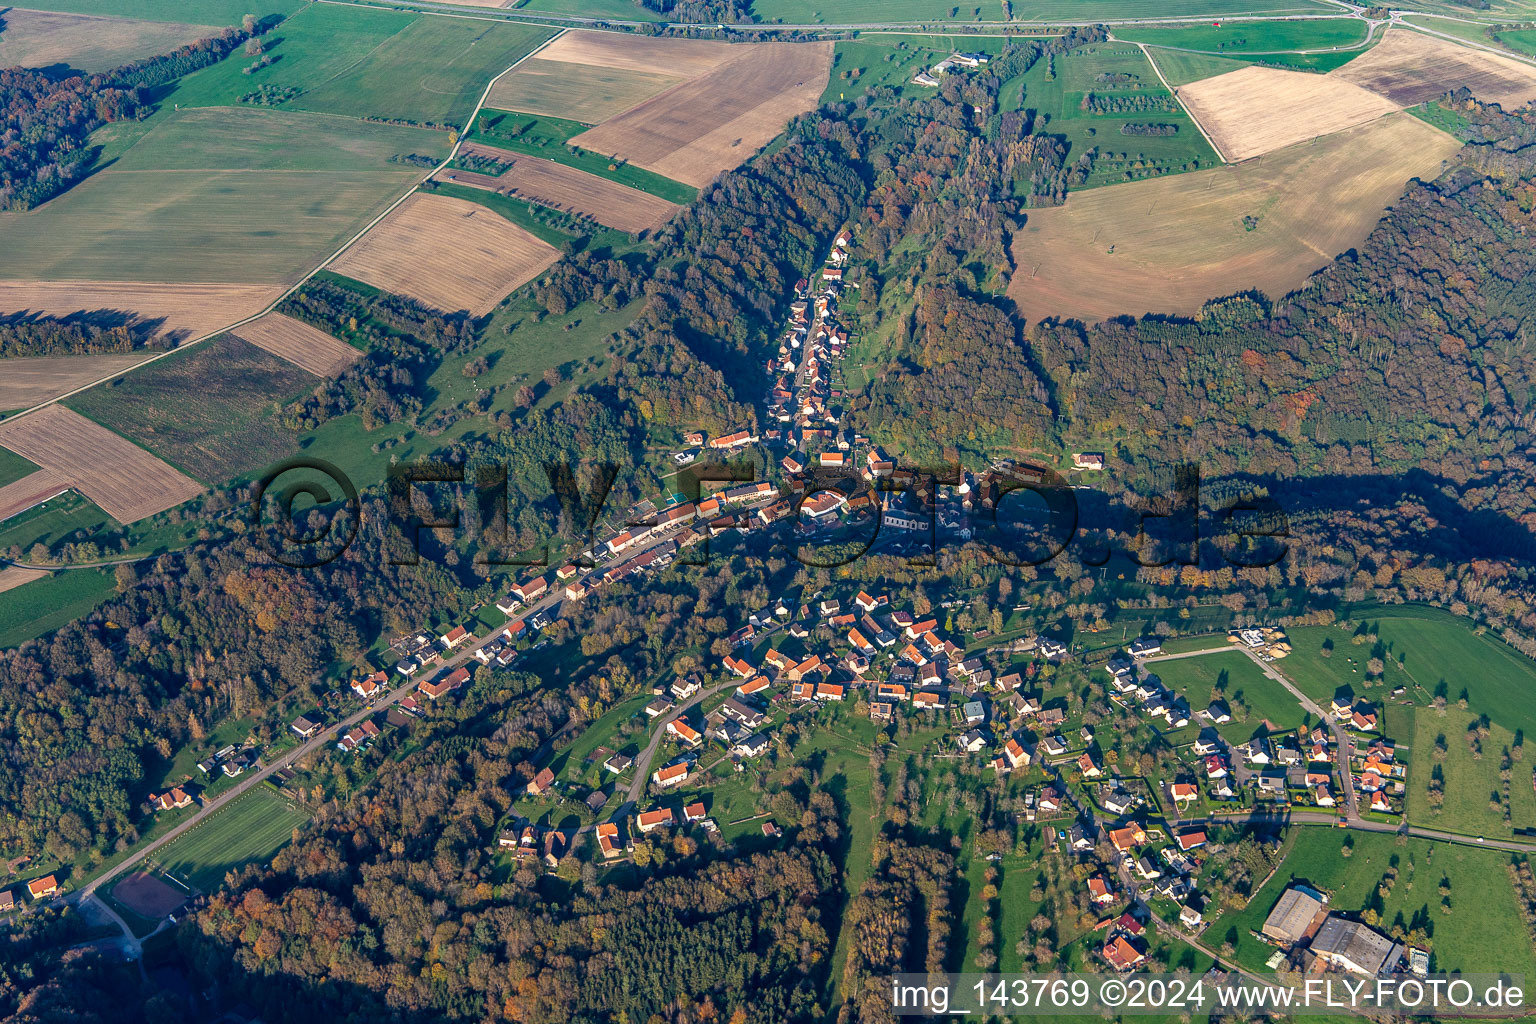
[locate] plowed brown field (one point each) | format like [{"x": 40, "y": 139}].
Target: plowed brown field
[
  {"x": 1257, "y": 110},
  {"x": 306, "y": 347},
  {"x": 181, "y": 311},
  {"x": 34, "y": 380},
  {"x": 568, "y": 188},
  {"x": 1409, "y": 68}
]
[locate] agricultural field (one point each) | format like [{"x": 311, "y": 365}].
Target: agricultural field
[
  {"x": 618, "y": 10},
  {"x": 209, "y": 410},
  {"x": 32, "y": 380},
  {"x": 561, "y": 187},
  {"x": 434, "y": 71},
  {"x": 1483, "y": 931},
  {"x": 550, "y": 138},
  {"x": 13, "y": 468},
  {"x": 719, "y": 120},
  {"x": 43, "y": 39},
  {"x": 306, "y": 347},
  {"x": 592, "y": 76},
  {"x": 218, "y": 195},
  {"x": 124, "y": 480},
  {"x": 175, "y": 311},
  {"x": 1181, "y": 68},
  {"x": 1236, "y": 679},
  {"x": 1170, "y": 244},
  {"x": 447, "y": 253},
  {"x": 1116, "y": 78},
  {"x": 1257, "y": 110},
  {"x": 212, "y": 12},
  {"x": 1474, "y": 797},
  {"x": 1410, "y": 68},
  {"x": 252, "y": 828},
  {"x": 799, "y": 12},
  {"x": 1312, "y": 45},
  {"x": 46, "y": 604},
  {"x": 13, "y": 576},
  {"x": 29, "y": 491},
  {"x": 1522, "y": 40}
]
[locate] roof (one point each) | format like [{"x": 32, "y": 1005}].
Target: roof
[
  {"x": 1355, "y": 945},
  {"x": 1292, "y": 916}
]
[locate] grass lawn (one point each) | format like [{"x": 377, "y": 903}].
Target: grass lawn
[
  {"x": 549, "y": 137},
  {"x": 12, "y": 466},
  {"x": 1198, "y": 679},
  {"x": 47, "y": 603},
  {"x": 1181, "y": 68},
  {"x": 432, "y": 72},
  {"x": 209, "y": 411},
  {"x": 250, "y": 195},
  {"x": 1523, "y": 40},
  {"x": 1115, "y": 72},
  {"x": 1440, "y": 653},
  {"x": 319, "y": 43},
  {"x": 1263, "y": 40},
  {"x": 1483, "y": 932},
  {"x": 1470, "y": 782},
  {"x": 252, "y": 828}
]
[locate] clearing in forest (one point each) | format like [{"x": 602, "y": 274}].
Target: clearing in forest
[
  {"x": 40, "y": 39},
  {"x": 126, "y": 481},
  {"x": 566, "y": 188},
  {"x": 1409, "y": 68},
  {"x": 306, "y": 347},
  {"x": 447, "y": 253},
  {"x": 715, "y": 122},
  {"x": 1169, "y": 244},
  {"x": 1258, "y": 110}
]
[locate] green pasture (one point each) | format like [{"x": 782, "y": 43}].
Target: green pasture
[{"x": 550, "y": 137}]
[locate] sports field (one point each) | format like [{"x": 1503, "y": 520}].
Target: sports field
[
  {"x": 252, "y": 828},
  {"x": 40, "y": 39},
  {"x": 1170, "y": 244},
  {"x": 218, "y": 195},
  {"x": 209, "y": 410},
  {"x": 1110, "y": 76},
  {"x": 1483, "y": 932}
]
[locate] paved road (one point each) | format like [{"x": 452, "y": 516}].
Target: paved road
[
  {"x": 1340, "y": 741},
  {"x": 643, "y": 762}
]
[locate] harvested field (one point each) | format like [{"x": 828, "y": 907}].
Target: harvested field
[
  {"x": 35, "y": 380},
  {"x": 447, "y": 253},
  {"x": 211, "y": 410},
  {"x": 681, "y": 58},
  {"x": 306, "y": 347},
  {"x": 31, "y": 490},
  {"x": 13, "y": 576},
  {"x": 40, "y": 39},
  {"x": 569, "y": 188},
  {"x": 125, "y": 480},
  {"x": 588, "y": 94},
  {"x": 179, "y": 311},
  {"x": 716, "y": 122},
  {"x": 1258, "y": 110},
  {"x": 1409, "y": 68},
  {"x": 147, "y": 896},
  {"x": 1169, "y": 244}
]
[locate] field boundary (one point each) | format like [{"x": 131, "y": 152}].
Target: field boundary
[
  {"x": 1187, "y": 111},
  {"x": 415, "y": 185}
]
